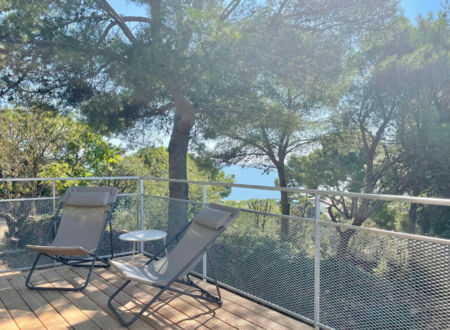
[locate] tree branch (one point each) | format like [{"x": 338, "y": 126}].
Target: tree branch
[
  {"x": 125, "y": 19},
  {"x": 118, "y": 19},
  {"x": 229, "y": 9}
]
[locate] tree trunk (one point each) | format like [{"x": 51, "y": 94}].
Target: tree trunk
[
  {"x": 178, "y": 149},
  {"x": 412, "y": 217},
  {"x": 284, "y": 203},
  {"x": 344, "y": 240}
]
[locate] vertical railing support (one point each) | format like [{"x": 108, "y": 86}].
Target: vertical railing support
[
  {"x": 54, "y": 194},
  {"x": 54, "y": 208},
  {"x": 138, "y": 204},
  {"x": 205, "y": 258},
  {"x": 141, "y": 193},
  {"x": 317, "y": 262}
]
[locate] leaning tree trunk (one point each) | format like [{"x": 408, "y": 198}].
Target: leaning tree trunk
[
  {"x": 178, "y": 150},
  {"x": 284, "y": 203},
  {"x": 344, "y": 240},
  {"x": 412, "y": 217}
]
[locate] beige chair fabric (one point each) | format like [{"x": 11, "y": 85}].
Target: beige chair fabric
[
  {"x": 203, "y": 229},
  {"x": 87, "y": 199},
  {"x": 212, "y": 218},
  {"x": 82, "y": 223}
]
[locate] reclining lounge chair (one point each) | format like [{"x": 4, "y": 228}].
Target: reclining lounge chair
[
  {"x": 86, "y": 214},
  {"x": 198, "y": 236}
]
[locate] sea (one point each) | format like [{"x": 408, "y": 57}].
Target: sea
[{"x": 252, "y": 176}]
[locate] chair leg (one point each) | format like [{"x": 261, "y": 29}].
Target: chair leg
[
  {"x": 204, "y": 295},
  {"x": 79, "y": 288},
  {"x": 27, "y": 281},
  {"x": 139, "y": 314},
  {"x": 111, "y": 240}
]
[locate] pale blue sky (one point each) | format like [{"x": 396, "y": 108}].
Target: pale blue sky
[{"x": 411, "y": 7}]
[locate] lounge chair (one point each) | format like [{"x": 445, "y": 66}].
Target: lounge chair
[
  {"x": 79, "y": 236},
  {"x": 198, "y": 236}
]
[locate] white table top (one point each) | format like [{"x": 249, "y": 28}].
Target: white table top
[{"x": 143, "y": 235}]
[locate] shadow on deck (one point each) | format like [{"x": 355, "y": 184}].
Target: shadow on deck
[{"x": 21, "y": 308}]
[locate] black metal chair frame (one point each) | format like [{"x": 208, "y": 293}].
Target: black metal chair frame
[
  {"x": 72, "y": 260},
  {"x": 204, "y": 295}
]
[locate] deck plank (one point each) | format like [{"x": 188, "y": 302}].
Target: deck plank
[
  {"x": 180, "y": 307},
  {"x": 6, "y": 319},
  {"x": 21, "y": 308},
  {"x": 185, "y": 304},
  {"x": 154, "y": 319},
  {"x": 259, "y": 314},
  {"x": 101, "y": 299},
  {"x": 44, "y": 311},
  {"x": 86, "y": 305},
  {"x": 219, "y": 313},
  {"x": 160, "y": 306},
  {"x": 17, "y": 307},
  {"x": 266, "y": 318},
  {"x": 72, "y": 314}
]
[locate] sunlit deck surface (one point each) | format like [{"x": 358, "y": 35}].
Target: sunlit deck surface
[{"x": 21, "y": 308}]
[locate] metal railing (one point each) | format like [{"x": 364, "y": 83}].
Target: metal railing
[{"x": 387, "y": 280}]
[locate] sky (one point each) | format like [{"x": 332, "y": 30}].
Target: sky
[
  {"x": 411, "y": 7},
  {"x": 253, "y": 176}
]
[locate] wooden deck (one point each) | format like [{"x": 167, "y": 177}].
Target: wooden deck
[{"x": 21, "y": 308}]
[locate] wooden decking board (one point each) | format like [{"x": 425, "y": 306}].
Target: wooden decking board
[
  {"x": 101, "y": 299},
  {"x": 143, "y": 297},
  {"x": 72, "y": 314},
  {"x": 206, "y": 318},
  {"x": 144, "y": 292},
  {"x": 222, "y": 314},
  {"x": 87, "y": 306},
  {"x": 6, "y": 319},
  {"x": 88, "y": 309},
  {"x": 44, "y": 311},
  {"x": 132, "y": 305},
  {"x": 257, "y": 313},
  {"x": 242, "y": 313},
  {"x": 281, "y": 319},
  {"x": 17, "y": 307}
]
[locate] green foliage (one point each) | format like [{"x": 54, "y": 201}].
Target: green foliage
[
  {"x": 337, "y": 164},
  {"x": 387, "y": 135},
  {"x": 154, "y": 162},
  {"x": 38, "y": 143}
]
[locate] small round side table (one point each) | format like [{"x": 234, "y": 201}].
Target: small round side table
[{"x": 143, "y": 236}]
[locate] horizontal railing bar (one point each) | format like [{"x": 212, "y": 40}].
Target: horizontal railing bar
[
  {"x": 29, "y": 199},
  {"x": 387, "y": 232},
  {"x": 89, "y": 178},
  {"x": 176, "y": 199},
  {"x": 334, "y": 224},
  {"x": 392, "y": 198},
  {"x": 50, "y": 198}
]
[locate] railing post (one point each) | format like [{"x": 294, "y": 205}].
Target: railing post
[
  {"x": 205, "y": 265},
  {"x": 141, "y": 192},
  {"x": 53, "y": 209},
  {"x": 54, "y": 194},
  {"x": 317, "y": 262}
]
